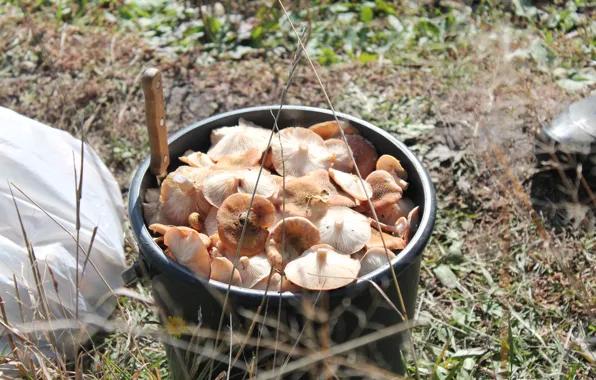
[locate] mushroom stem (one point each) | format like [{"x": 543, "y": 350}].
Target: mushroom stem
[
  {"x": 322, "y": 254},
  {"x": 384, "y": 227},
  {"x": 244, "y": 262},
  {"x": 339, "y": 223},
  {"x": 303, "y": 148}
]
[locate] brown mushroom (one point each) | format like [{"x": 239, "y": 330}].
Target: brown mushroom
[
  {"x": 322, "y": 268},
  {"x": 343, "y": 160},
  {"x": 385, "y": 190},
  {"x": 223, "y": 269},
  {"x": 344, "y": 229},
  {"x": 364, "y": 152},
  {"x": 330, "y": 129},
  {"x": 233, "y": 214},
  {"x": 351, "y": 184},
  {"x": 390, "y": 213},
  {"x": 289, "y": 238},
  {"x": 413, "y": 220},
  {"x": 391, "y": 242},
  {"x": 305, "y": 198},
  {"x": 303, "y": 152}
]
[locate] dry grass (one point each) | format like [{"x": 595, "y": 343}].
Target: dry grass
[{"x": 518, "y": 309}]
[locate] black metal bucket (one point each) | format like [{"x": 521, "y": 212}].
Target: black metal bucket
[{"x": 355, "y": 310}]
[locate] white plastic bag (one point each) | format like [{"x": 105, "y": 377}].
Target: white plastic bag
[{"x": 38, "y": 159}]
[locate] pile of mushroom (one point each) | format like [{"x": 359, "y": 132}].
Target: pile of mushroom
[{"x": 312, "y": 229}]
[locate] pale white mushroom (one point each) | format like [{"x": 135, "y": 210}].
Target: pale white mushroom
[
  {"x": 179, "y": 198},
  {"x": 344, "y": 229},
  {"x": 197, "y": 160},
  {"x": 248, "y": 159},
  {"x": 237, "y": 140},
  {"x": 342, "y": 160},
  {"x": 373, "y": 259},
  {"x": 151, "y": 206},
  {"x": 221, "y": 270},
  {"x": 322, "y": 268},
  {"x": 188, "y": 248},
  {"x": 303, "y": 152},
  {"x": 351, "y": 184},
  {"x": 224, "y": 183},
  {"x": 211, "y": 222},
  {"x": 253, "y": 269}
]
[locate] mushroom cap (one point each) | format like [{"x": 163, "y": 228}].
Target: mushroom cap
[
  {"x": 402, "y": 228},
  {"x": 224, "y": 183},
  {"x": 178, "y": 199},
  {"x": 231, "y": 217},
  {"x": 248, "y": 159},
  {"x": 237, "y": 140},
  {"x": 300, "y": 234},
  {"x": 330, "y": 129},
  {"x": 151, "y": 206},
  {"x": 364, "y": 153},
  {"x": 414, "y": 220},
  {"x": 253, "y": 269},
  {"x": 385, "y": 190},
  {"x": 342, "y": 160},
  {"x": 392, "y": 165},
  {"x": 197, "y": 160},
  {"x": 390, "y": 213},
  {"x": 211, "y": 221},
  {"x": 274, "y": 284},
  {"x": 321, "y": 267},
  {"x": 304, "y": 198},
  {"x": 373, "y": 259},
  {"x": 221, "y": 270},
  {"x": 303, "y": 152},
  {"x": 391, "y": 242},
  {"x": 269, "y": 160},
  {"x": 189, "y": 249},
  {"x": 351, "y": 184},
  {"x": 344, "y": 229}
]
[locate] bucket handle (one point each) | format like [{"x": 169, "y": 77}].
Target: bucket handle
[{"x": 155, "y": 112}]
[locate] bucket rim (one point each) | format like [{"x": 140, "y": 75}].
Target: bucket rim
[{"x": 150, "y": 251}]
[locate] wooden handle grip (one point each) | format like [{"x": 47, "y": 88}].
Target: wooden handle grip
[{"x": 156, "y": 122}]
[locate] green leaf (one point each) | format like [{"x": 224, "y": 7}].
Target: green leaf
[
  {"x": 367, "y": 57},
  {"x": 384, "y": 7},
  {"x": 544, "y": 56},
  {"x": 366, "y": 14},
  {"x": 328, "y": 57}
]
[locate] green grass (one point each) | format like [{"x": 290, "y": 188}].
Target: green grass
[{"x": 438, "y": 78}]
